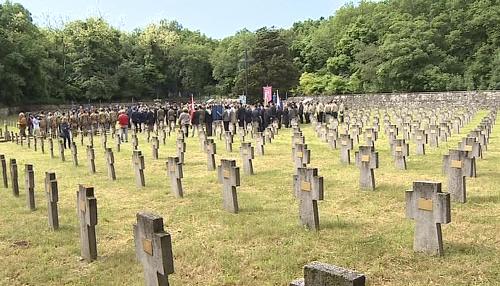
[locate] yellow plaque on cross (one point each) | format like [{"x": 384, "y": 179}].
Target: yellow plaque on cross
[
  {"x": 419, "y": 137},
  {"x": 226, "y": 173},
  {"x": 424, "y": 204},
  {"x": 299, "y": 154},
  {"x": 399, "y": 149},
  {"x": 83, "y": 206},
  {"x": 344, "y": 142},
  {"x": 305, "y": 186},
  {"x": 365, "y": 158},
  {"x": 147, "y": 246},
  {"x": 457, "y": 164},
  {"x": 433, "y": 131},
  {"x": 468, "y": 148}
]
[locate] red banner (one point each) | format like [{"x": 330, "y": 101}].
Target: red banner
[{"x": 268, "y": 94}]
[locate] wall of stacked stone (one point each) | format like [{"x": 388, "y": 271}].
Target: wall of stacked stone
[{"x": 455, "y": 98}]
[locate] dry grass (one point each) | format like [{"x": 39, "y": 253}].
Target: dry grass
[{"x": 263, "y": 244}]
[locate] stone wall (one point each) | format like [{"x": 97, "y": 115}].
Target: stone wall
[{"x": 461, "y": 98}]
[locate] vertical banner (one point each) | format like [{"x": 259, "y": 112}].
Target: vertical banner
[{"x": 268, "y": 94}]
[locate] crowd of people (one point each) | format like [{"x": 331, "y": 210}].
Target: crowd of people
[{"x": 188, "y": 117}]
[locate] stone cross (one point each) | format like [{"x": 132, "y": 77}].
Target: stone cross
[
  {"x": 471, "y": 145},
  {"x": 346, "y": 145},
  {"x": 74, "y": 153},
  {"x": 110, "y": 162},
  {"x": 42, "y": 144},
  {"x": 420, "y": 141},
  {"x": 155, "y": 145},
  {"x": 139, "y": 166},
  {"x": 52, "y": 194},
  {"x": 28, "y": 141},
  {"x": 91, "y": 158},
  {"x": 455, "y": 164},
  {"x": 301, "y": 156},
  {"x": 51, "y": 147},
  {"x": 308, "y": 188},
  {"x": 247, "y": 154},
  {"x": 211, "y": 151},
  {"x": 30, "y": 186},
  {"x": 82, "y": 137},
  {"x": 259, "y": 144},
  {"x": 61, "y": 150},
  {"x": 268, "y": 135},
  {"x": 400, "y": 150},
  {"x": 333, "y": 137},
  {"x": 433, "y": 136},
  {"x": 135, "y": 142},
  {"x": 174, "y": 172},
  {"x": 430, "y": 208},
  {"x": 229, "y": 141},
  {"x": 181, "y": 149},
  {"x": 480, "y": 138},
  {"x": 229, "y": 177},
  {"x": 87, "y": 215},
  {"x": 322, "y": 274},
  {"x": 14, "y": 177},
  {"x": 164, "y": 136},
  {"x": 118, "y": 141},
  {"x": 298, "y": 138},
  {"x": 367, "y": 161},
  {"x": 472, "y": 149},
  {"x": 4, "y": 171},
  {"x": 370, "y": 136},
  {"x": 35, "y": 143},
  {"x": 153, "y": 249},
  {"x": 104, "y": 138}
]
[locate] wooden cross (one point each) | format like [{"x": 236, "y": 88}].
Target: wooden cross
[
  {"x": 52, "y": 195},
  {"x": 14, "y": 177},
  {"x": 174, "y": 172},
  {"x": 367, "y": 161},
  {"x": 211, "y": 149},
  {"x": 308, "y": 188},
  {"x": 87, "y": 215},
  {"x": 91, "y": 159},
  {"x": 139, "y": 166},
  {"x": 3, "y": 162},
  {"x": 30, "y": 186},
  {"x": 229, "y": 177},
  {"x": 346, "y": 145},
  {"x": 153, "y": 249},
  {"x": 247, "y": 154},
  {"x": 401, "y": 150},
  {"x": 455, "y": 165},
  {"x": 301, "y": 155},
  {"x": 322, "y": 274},
  {"x": 110, "y": 162},
  {"x": 430, "y": 208}
]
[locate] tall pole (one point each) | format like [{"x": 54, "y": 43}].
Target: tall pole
[{"x": 246, "y": 72}]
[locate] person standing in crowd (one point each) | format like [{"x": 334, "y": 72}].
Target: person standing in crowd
[
  {"x": 335, "y": 110},
  {"x": 226, "y": 118},
  {"x": 208, "y": 120},
  {"x": 301, "y": 112},
  {"x": 36, "y": 126},
  {"x": 64, "y": 131},
  {"x": 123, "y": 122},
  {"x": 22, "y": 122},
  {"x": 184, "y": 121},
  {"x": 171, "y": 116}
]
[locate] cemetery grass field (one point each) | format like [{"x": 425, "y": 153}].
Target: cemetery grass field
[{"x": 263, "y": 244}]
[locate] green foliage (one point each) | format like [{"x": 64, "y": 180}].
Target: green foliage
[{"x": 394, "y": 45}]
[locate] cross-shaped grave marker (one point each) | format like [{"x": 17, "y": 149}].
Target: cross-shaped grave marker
[
  {"x": 91, "y": 159},
  {"x": 14, "y": 177},
  {"x": 87, "y": 216},
  {"x": 229, "y": 177},
  {"x": 155, "y": 144},
  {"x": 420, "y": 141},
  {"x": 247, "y": 154},
  {"x": 346, "y": 145},
  {"x": 153, "y": 249},
  {"x": 308, "y": 188},
  {"x": 430, "y": 208},
  {"x": 3, "y": 162},
  {"x": 454, "y": 163},
  {"x": 211, "y": 151},
  {"x": 367, "y": 161},
  {"x": 229, "y": 141},
  {"x": 174, "y": 172},
  {"x": 259, "y": 144},
  {"x": 74, "y": 153},
  {"x": 181, "y": 149},
  {"x": 51, "y": 147},
  {"x": 110, "y": 162},
  {"x": 301, "y": 155},
  {"x": 52, "y": 194},
  {"x": 401, "y": 150},
  {"x": 30, "y": 186},
  {"x": 139, "y": 166}
]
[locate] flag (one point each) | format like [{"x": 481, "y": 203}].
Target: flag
[{"x": 268, "y": 94}]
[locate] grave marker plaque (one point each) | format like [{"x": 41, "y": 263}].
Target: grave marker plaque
[{"x": 346, "y": 145}]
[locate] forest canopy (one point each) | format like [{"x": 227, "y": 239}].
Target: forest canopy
[{"x": 383, "y": 46}]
